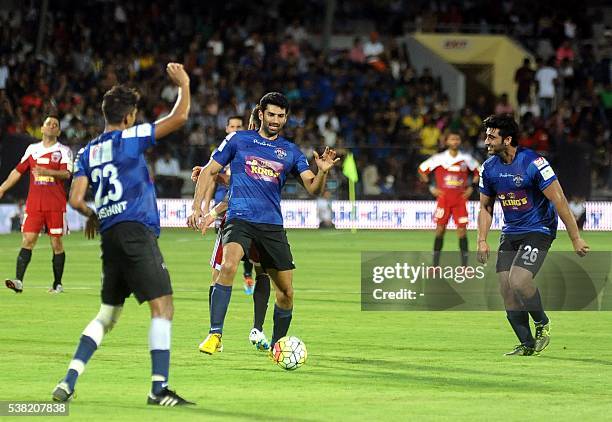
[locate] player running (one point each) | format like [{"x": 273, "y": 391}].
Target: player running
[
  {"x": 50, "y": 165},
  {"x": 260, "y": 162},
  {"x": 261, "y": 290},
  {"x": 126, "y": 208},
  {"x": 530, "y": 196},
  {"x": 454, "y": 173}
]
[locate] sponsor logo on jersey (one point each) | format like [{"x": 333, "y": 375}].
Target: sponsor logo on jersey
[
  {"x": 262, "y": 169},
  {"x": 547, "y": 173},
  {"x": 514, "y": 201},
  {"x": 453, "y": 181},
  {"x": 540, "y": 162},
  {"x": 44, "y": 180}
]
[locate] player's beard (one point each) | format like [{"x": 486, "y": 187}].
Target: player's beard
[{"x": 268, "y": 131}]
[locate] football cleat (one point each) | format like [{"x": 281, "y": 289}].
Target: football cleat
[
  {"x": 259, "y": 340},
  {"x": 211, "y": 344},
  {"x": 167, "y": 398},
  {"x": 58, "y": 289},
  {"x": 14, "y": 284},
  {"x": 249, "y": 285},
  {"x": 62, "y": 392},
  {"x": 521, "y": 350},
  {"x": 542, "y": 336}
]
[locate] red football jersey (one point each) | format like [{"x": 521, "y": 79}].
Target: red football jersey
[
  {"x": 46, "y": 192},
  {"x": 451, "y": 173}
]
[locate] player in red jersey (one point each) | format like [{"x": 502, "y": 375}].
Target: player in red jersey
[
  {"x": 454, "y": 174},
  {"x": 50, "y": 164}
]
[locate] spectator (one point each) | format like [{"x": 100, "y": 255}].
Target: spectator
[
  {"x": 370, "y": 180},
  {"x": 356, "y": 55},
  {"x": 565, "y": 51},
  {"x": 577, "y": 206},
  {"x": 546, "y": 77},
  {"x": 430, "y": 137},
  {"x": 503, "y": 106},
  {"x": 167, "y": 176},
  {"x": 373, "y": 50},
  {"x": 4, "y": 72},
  {"x": 529, "y": 107},
  {"x": 289, "y": 50},
  {"x": 324, "y": 211},
  {"x": 523, "y": 77}
]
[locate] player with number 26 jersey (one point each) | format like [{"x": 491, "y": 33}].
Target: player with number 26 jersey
[{"x": 117, "y": 171}]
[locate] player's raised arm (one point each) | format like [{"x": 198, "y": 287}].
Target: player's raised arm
[
  {"x": 10, "y": 181},
  {"x": 78, "y": 189},
  {"x": 555, "y": 194},
  {"x": 315, "y": 184},
  {"x": 180, "y": 112},
  {"x": 485, "y": 218}
]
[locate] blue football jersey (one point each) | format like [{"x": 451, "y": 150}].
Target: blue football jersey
[
  {"x": 259, "y": 168},
  {"x": 519, "y": 186},
  {"x": 115, "y": 165}
]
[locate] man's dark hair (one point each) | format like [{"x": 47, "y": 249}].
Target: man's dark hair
[
  {"x": 118, "y": 102},
  {"x": 56, "y": 117},
  {"x": 274, "y": 98},
  {"x": 506, "y": 125},
  {"x": 230, "y": 118}
]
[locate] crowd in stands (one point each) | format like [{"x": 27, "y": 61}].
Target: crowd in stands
[{"x": 368, "y": 98}]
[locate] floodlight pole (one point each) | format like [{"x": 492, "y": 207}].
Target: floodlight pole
[
  {"x": 41, "y": 25},
  {"x": 330, "y": 8}
]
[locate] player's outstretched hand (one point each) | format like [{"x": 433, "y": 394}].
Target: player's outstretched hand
[
  {"x": 580, "y": 247},
  {"x": 195, "y": 173},
  {"x": 193, "y": 221},
  {"x": 1, "y": 194},
  {"x": 177, "y": 74},
  {"x": 207, "y": 220},
  {"x": 483, "y": 251},
  {"x": 327, "y": 160},
  {"x": 91, "y": 226}
]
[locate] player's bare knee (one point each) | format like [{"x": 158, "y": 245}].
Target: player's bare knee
[
  {"x": 57, "y": 245},
  {"x": 162, "y": 307},
  {"x": 228, "y": 270}
]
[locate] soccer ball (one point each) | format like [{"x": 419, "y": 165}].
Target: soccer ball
[{"x": 289, "y": 353}]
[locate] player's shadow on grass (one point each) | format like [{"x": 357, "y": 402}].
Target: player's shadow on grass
[
  {"x": 444, "y": 376},
  {"x": 581, "y": 360},
  {"x": 205, "y": 409}
]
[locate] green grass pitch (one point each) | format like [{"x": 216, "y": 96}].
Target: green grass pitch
[{"x": 361, "y": 365}]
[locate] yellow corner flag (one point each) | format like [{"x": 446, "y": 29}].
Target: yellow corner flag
[{"x": 349, "y": 169}]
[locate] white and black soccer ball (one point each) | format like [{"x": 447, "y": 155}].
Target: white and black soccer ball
[{"x": 289, "y": 353}]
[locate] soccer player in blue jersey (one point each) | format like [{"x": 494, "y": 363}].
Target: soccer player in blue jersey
[
  {"x": 126, "y": 211},
  {"x": 260, "y": 162},
  {"x": 261, "y": 290},
  {"x": 531, "y": 197}
]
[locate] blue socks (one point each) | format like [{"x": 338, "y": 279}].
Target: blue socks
[
  {"x": 219, "y": 302},
  {"x": 282, "y": 320},
  {"x": 86, "y": 348}
]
